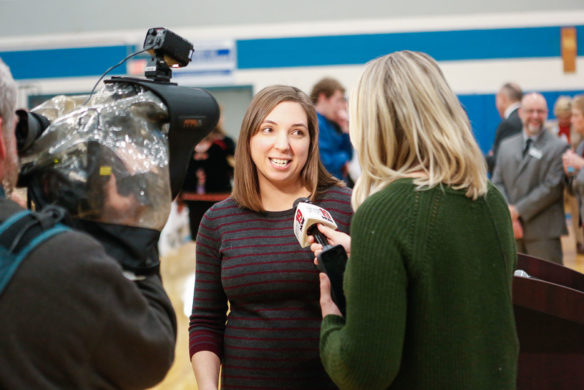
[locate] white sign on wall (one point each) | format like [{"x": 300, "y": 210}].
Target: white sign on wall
[{"x": 213, "y": 63}]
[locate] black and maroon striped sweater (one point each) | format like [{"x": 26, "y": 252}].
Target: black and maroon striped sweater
[{"x": 269, "y": 339}]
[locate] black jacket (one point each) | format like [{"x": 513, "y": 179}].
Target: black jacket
[
  {"x": 508, "y": 127},
  {"x": 69, "y": 319}
]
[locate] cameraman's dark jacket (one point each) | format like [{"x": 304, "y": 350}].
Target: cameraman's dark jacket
[{"x": 69, "y": 319}]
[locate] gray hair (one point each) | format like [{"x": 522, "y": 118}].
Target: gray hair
[
  {"x": 512, "y": 91},
  {"x": 7, "y": 97}
]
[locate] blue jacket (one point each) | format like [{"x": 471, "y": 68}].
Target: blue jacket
[{"x": 335, "y": 147}]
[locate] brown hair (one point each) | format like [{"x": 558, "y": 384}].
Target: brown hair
[
  {"x": 313, "y": 175},
  {"x": 328, "y": 86}
]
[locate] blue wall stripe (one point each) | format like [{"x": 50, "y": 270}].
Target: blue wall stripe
[
  {"x": 70, "y": 62},
  {"x": 442, "y": 45},
  {"x": 536, "y": 42},
  {"x": 313, "y": 51}
]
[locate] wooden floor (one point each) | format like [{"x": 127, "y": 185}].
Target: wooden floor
[{"x": 178, "y": 269}]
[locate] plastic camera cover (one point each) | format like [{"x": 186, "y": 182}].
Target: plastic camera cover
[{"x": 106, "y": 160}]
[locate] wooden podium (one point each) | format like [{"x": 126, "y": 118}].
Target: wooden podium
[{"x": 549, "y": 313}]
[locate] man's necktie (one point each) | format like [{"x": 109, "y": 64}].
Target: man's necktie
[{"x": 527, "y": 146}]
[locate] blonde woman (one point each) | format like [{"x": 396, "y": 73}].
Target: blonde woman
[{"x": 428, "y": 282}]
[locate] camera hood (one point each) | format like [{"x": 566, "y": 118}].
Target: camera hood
[{"x": 193, "y": 114}]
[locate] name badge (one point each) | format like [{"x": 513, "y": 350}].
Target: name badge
[{"x": 535, "y": 153}]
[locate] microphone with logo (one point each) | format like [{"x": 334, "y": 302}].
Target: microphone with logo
[{"x": 333, "y": 259}]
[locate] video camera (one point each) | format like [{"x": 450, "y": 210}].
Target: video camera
[{"x": 153, "y": 109}]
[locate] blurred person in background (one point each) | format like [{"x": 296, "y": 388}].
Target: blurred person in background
[
  {"x": 249, "y": 261},
  {"x": 431, "y": 252},
  {"x": 573, "y": 160},
  {"x": 508, "y": 101},
  {"x": 336, "y": 151},
  {"x": 209, "y": 175},
  {"x": 529, "y": 174},
  {"x": 563, "y": 128}
]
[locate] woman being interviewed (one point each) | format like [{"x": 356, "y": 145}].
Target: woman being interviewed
[
  {"x": 247, "y": 254},
  {"x": 428, "y": 282}
]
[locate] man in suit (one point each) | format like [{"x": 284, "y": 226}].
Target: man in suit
[
  {"x": 508, "y": 100},
  {"x": 529, "y": 173}
]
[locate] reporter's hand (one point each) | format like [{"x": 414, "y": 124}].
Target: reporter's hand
[
  {"x": 327, "y": 306},
  {"x": 513, "y": 212},
  {"x": 334, "y": 237}
]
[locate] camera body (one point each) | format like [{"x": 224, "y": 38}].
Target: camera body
[
  {"x": 167, "y": 50},
  {"x": 189, "y": 114},
  {"x": 173, "y": 48}
]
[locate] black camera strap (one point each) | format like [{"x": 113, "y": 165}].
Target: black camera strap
[{"x": 23, "y": 232}]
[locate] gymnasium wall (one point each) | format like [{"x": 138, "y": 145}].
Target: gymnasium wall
[{"x": 478, "y": 52}]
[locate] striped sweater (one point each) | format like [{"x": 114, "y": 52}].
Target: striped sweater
[{"x": 269, "y": 339}]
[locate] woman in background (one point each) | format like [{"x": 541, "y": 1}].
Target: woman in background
[
  {"x": 573, "y": 161},
  {"x": 432, "y": 253},
  {"x": 248, "y": 256},
  {"x": 209, "y": 175}
]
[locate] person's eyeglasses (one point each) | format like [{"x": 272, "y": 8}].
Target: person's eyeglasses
[{"x": 531, "y": 111}]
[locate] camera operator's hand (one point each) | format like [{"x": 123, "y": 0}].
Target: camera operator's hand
[
  {"x": 18, "y": 197},
  {"x": 334, "y": 237},
  {"x": 119, "y": 209}
]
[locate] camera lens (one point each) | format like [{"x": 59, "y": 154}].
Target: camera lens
[{"x": 30, "y": 126}]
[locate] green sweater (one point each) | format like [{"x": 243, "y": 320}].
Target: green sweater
[{"x": 428, "y": 290}]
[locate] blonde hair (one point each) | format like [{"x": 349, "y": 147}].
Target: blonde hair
[
  {"x": 563, "y": 105},
  {"x": 578, "y": 102},
  {"x": 313, "y": 175},
  {"x": 406, "y": 121}
]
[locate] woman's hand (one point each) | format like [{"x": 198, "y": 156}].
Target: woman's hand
[
  {"x": 206, "y": 368},
  {"x": 572, "y": 162},
  {"x": 327, "y": 306},
  {"x": 334, "y": 237}
]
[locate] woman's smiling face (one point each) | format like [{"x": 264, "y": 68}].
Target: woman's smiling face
[{"x": 279, "y": 149}]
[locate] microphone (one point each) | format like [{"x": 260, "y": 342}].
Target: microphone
[
  {"x": 306, "y": 218},
  {"x": 333, "y": 259}
]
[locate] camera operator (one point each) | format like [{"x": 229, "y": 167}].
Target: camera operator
[{"x": 69, "y": 318}]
